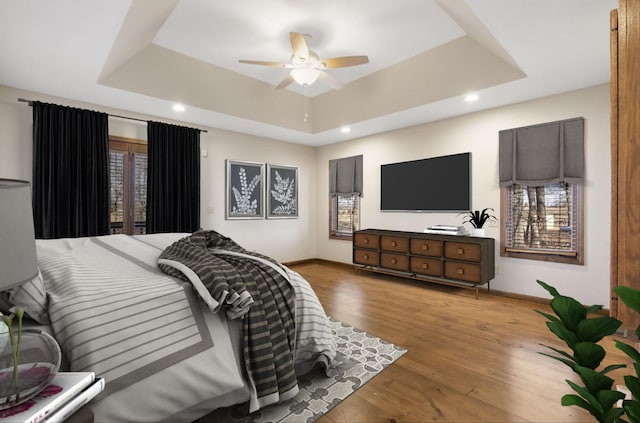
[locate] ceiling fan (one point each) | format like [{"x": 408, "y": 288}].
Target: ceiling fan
[{"x": 306, "y": 67}]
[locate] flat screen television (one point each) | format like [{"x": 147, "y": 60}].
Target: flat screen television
[{"x": 436, "y": 184}]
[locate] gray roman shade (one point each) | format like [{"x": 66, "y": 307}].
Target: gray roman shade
[
  {"x": 345, "y": 176},
  {"x": 542, "y": 154}
]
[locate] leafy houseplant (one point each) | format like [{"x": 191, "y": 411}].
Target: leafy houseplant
[
  {"x": 582, "y": 334},
  {"x": 478, "y": 218}
]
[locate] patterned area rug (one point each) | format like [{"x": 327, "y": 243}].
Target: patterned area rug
[{"x": 362, "y": 356}]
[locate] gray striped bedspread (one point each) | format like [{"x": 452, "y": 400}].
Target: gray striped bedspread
[
  {"x": 164, "y": 354},
  {"x": 251, "y": 287}
]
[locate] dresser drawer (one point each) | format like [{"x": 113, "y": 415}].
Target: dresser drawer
[
  {"x": 394, "y": 243},
  {"x": 426, "y": 247},
  {"x": 394, "y": 261},
  {"x": 462, "y": 251},
  {"x": 365, "y": 240},
  {"x": 467, "y": 272},
  {"x": 426, "y": 266},
  {"x": 367, "y": 257}
]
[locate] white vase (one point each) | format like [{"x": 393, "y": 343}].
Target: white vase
[{"x": 477, "y": 232}]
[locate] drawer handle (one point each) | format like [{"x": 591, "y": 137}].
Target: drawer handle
[
  {"x": 393, "y": 261},
  {"x": 460, "y": 271},
  {"x": 366, "y": 257},
  {"x": 460, "y": 251},
  {"x": 393, "y": 243},
  {"x": 425, "y": 266},
  {"x": 425, "y": 247},
  {"x": 365, "y": 241}
]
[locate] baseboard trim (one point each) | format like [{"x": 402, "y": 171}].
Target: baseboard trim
[
  {"x": 482, "y": 289},
  {"x": 300, "y": 262},
  {"x": 516, "y": 296},
  {"x": 319, "y": 261},
  {"x": 533, "y": 299}
]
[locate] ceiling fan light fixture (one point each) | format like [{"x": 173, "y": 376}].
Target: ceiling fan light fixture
[
  {"x": 305, "y": 76},
  {"x": 306, "y": 64}
]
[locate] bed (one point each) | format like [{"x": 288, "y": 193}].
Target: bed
[{"x": 167, "y": 350}]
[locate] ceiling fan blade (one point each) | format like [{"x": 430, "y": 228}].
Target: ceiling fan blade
[
  {"x": 342, "y": 62},
  {"x": 285, "y": 82},
  {"x": 272, "y": 64},
  {"x": 330, "y": 80},
  {"x": 299, "y": 45}
]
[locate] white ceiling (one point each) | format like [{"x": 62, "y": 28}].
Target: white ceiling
[{"x": 425, "y": 55}]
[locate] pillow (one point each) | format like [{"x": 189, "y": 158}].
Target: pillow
[{"x": 32, "y": 297}]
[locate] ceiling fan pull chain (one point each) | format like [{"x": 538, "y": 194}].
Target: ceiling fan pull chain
[{"x": 306, "y": 104}]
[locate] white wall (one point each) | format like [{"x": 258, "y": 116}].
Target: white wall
[
  {"x": 478, "y": 133},
  {"x": 16, "y": 140},
  {"x": 282, "y": 239},
  {"x": 307, "y": 237}
]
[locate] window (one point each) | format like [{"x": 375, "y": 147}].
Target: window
[
  {"x": 543, "y": 222},
  {"x": 345, "y": 190},
  {"x": 128, "y": 201},
  {"x": 345, "y": 215},
  {"x": 541, "y": 172}
]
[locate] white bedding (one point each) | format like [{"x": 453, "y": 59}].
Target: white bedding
[{"x": 107, "y": 297}]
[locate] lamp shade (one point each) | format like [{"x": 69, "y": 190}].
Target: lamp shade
[{"x": 18, "y": 260}]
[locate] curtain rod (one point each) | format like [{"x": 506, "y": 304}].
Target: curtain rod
[{"x": 30, "y": 102}]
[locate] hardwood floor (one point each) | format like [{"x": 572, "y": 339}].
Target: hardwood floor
[{"x": 468, "y": 360}]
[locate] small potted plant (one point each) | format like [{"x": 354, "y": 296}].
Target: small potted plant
[{"x": 477, "y": 219}]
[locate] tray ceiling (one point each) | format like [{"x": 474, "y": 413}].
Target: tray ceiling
[{"x": 425, "y": 56}]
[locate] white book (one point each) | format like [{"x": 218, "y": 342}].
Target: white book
[
  {"x": 76, "y": 403},
  {"x": 60, "y": 390}
]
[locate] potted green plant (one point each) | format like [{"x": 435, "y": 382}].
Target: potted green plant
[
  {"x": 582, "y": 334},
  {"x": 478, "y": 219}
]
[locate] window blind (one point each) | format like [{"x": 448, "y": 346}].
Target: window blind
[
  {"x": 542, "y": 154},
  {"x": 345, "y": 215},
  {"x": 345, "y": 176},
  {"x": 542, "y": 218}
]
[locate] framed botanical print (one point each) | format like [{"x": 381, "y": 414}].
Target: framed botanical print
[
  {"x": 245, "y": 182},
  {"x": 282, "y": 192}
]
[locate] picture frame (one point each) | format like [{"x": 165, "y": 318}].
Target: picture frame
[
  {"x": 244, "y": 190},
  {"x": 282, "y": 192}
]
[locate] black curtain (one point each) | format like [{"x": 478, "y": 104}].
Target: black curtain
[
  {"x": 70, "y": 172},
  {"x": 173, "y": 178}
]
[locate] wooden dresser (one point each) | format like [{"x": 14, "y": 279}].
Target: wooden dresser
[{"x": 462, "y": 261}]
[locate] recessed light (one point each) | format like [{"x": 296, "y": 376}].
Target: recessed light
[
  {"x": 345, "y": 130},
  {"x": 471, "y": 97},
  {"x": 178, "y": 108}
]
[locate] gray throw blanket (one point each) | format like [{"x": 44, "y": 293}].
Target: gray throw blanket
[{"x": 248, "y": 287}]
